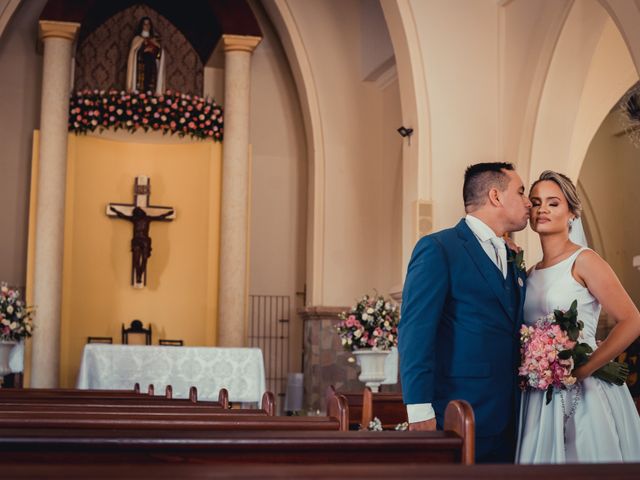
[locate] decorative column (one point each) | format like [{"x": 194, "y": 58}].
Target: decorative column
[
  {"x": 58, "y": 38},
  {"x": 234, "y": 221}
]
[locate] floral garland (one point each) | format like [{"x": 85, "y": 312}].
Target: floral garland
[{"x": 171, "y": 112}]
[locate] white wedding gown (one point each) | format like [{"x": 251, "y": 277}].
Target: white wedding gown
[{"x": 605, "y": 426}]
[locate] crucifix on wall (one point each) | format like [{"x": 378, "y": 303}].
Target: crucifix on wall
[{"x": 140, "y": 214}]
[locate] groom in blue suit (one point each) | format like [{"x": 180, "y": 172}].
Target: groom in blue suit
[{"x": 462, "y": 311}]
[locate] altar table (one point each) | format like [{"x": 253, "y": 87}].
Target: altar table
[{"x": 239, "y": 370}]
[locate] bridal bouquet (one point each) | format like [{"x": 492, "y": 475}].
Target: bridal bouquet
[{"x": 551, "y": 351}]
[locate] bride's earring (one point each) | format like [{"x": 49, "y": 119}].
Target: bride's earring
[{"x": 570, "y": 223}]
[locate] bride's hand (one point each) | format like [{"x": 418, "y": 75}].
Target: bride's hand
[{"x": 581, "y": 373}]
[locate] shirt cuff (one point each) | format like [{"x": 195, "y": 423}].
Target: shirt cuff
[{"x": 419, "y": 412}]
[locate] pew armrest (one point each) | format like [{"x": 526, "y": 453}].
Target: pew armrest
[
  {"x": 367, "y": 408},
  {"x": 269, "y": 403},
  {"x": 459, "y": 418},
  {"x": 338, "y": 408},
  {"x": 223, "y": 397}
]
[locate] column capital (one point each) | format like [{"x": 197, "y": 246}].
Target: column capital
[
  {"x": 240, "y": 43},
  {"x": 50, "y": 28}
]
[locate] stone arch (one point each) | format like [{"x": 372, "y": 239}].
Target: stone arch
[{"x": 579, "y": 91}]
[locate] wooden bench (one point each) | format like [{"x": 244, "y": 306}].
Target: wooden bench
[
  {"x": 354, "y": 401},
  {"x": 106, "y": 397},
  {"x": 317, "y": 471},
  {"x": 34, "y": 436},
  {"x": 388, "y": 407},
  {"x": 119, "y": 407},
  {"x": 83, "y": 416},
  {"x": 229, "y": 447}
]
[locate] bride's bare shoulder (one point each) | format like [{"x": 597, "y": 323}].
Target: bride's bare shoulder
[{"x": 589, "y": 263}]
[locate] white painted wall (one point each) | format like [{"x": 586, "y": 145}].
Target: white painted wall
[{"x": 20, "y": 80}]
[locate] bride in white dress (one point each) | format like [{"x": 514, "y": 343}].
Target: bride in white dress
[{"x": 594, "y": 421}]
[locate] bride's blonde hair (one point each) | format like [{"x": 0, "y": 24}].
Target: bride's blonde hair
[{"x": 568, "y": 189}]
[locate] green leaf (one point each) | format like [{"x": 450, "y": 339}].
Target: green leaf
[
  {"x": 613, "y": 372},
  {"x": 565, "y": 354}
]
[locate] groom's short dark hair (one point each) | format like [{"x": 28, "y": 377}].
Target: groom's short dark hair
[{"x": 480, "y": 178}]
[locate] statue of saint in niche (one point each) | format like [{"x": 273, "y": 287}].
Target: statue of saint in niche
[{"x": 145, "y": 65}]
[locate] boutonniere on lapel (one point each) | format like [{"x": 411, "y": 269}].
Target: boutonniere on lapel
[{"x": 517, "y": 258}]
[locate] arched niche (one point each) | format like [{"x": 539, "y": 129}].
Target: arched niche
[
  {"x": 579, "y": 92},
  {"x": 101, "y": 56}
]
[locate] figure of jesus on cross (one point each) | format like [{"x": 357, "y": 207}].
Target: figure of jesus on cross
[{"x": 140, "y": 214}]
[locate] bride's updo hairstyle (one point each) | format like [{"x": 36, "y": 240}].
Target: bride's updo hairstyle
[{"x": 568, "y": 189}]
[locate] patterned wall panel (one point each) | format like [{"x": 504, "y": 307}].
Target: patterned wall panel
[{"x": 101, "y": 59}]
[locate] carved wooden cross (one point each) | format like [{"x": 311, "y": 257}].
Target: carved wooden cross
[{"x": 140, "y": 214}]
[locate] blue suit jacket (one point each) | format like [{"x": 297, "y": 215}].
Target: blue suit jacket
[{"x": 459, "y": 330}]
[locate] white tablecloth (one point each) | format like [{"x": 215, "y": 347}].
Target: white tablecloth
[{"x": 239, "y": 370}]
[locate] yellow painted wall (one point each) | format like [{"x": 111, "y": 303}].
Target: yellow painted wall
[{"x": 180, "y": 299}]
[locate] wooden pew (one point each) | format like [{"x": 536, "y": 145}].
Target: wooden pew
[
  {"x": 88, "y": 417},
  {"x": 62, "y": 444},
  {"x": 354, "y": 401},
  {"x": 390, "y": 409},
  {"x": 106, "y": 397},
  {"x": 317, "y": 471},
  {"x": 363, "y": 407},
  {"x": 387, "y": 407},
  {"x": 127, "y": 408}
]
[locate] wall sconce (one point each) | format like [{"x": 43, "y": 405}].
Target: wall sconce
[{"x": 405, "y": 132}]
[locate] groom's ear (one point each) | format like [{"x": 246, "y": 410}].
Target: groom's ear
[{"x": 494, "y": 197}]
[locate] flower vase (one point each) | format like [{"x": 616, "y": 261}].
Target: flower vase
[
  {"x": 371, "y": 367},
  {"x": 5, "y": 352}
]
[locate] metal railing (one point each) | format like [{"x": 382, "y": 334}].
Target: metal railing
[{"x": 269, "y": 317}]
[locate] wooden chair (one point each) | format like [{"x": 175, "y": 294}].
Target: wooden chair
[
  {"x": 170, "y": 343},
  {"x": 99, "y": 340},
  {"x": 136, "y": 328}
]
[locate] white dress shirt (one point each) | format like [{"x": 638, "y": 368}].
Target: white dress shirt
[{"x": 493, "y": 247}]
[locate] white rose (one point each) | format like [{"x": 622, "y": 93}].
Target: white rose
[
  {"x": 357, "y": 334},
  {"x": 344, "y": 341},
  {"x": 365, "y": 316},
  {"x": 10, "y": 309},
  {"x": 369, "y": 310}
]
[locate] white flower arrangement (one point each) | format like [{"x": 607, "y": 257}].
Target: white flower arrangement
[
  {"x": 371, "y": 323},
  {"x": 15, "y": 317}
]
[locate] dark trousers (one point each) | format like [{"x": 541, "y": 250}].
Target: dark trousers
[{"x": 499, "y": 448}]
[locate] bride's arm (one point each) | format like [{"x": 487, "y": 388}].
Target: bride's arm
[{"x": 596, "y": 274}]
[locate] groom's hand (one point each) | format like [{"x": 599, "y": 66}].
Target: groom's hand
[{"x": 426, "y": 426}]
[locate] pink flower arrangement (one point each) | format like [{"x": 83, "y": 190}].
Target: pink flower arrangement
[
  {"x": 542, "y": 367},
  {"x": 171, "y": 112},
  {"x": 15, "y": 318},
  {"x": 371, "y": 323},
  {"x": 550, "y": 351}
]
